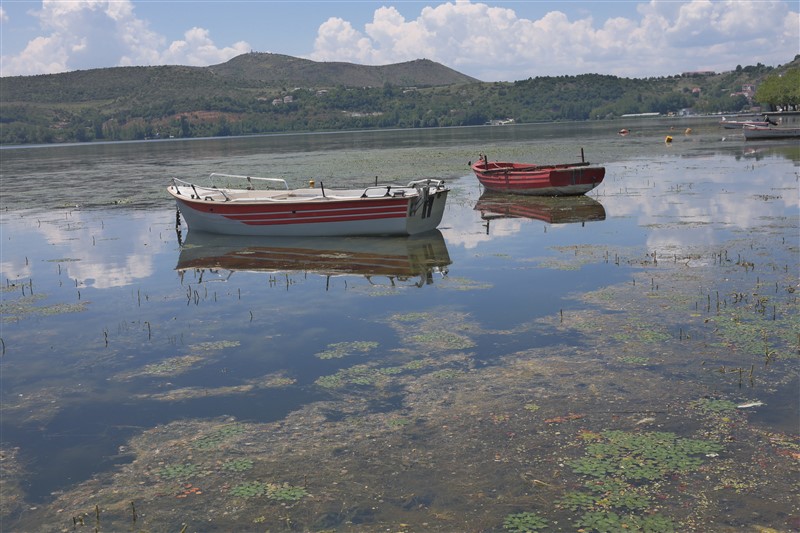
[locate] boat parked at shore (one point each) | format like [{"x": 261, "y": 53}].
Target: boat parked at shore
[
  {"x": 567, "y": 179},
  {"x": 770, "y": 132},
  {"x": 248, "y": 209}
]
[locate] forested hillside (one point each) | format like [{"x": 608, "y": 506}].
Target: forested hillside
[{"x": 262, "y": 93}]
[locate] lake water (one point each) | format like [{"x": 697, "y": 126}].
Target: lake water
[{"x": 626, "y": 359}]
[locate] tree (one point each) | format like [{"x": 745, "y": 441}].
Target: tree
[{"x": 780, "y": 91}]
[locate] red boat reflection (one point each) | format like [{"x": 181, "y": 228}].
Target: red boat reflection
[{"x": 553, "y": 210}]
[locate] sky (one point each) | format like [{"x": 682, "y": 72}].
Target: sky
[{"x": 491, "y": 40}]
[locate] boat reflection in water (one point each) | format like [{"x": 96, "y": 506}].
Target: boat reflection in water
[
  {"x": 413, "y": 259},
  {"x": 554, "y": 210}
]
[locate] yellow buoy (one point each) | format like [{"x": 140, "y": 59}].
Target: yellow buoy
[
  {"x": 688, "y": 131},
  {"x": 668, "y": 139},
  {"x": 310, "y": 184}
]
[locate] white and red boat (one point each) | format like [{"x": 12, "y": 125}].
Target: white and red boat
[
  {"x": 568, "y": 179},
  {"x": 249, "y": 209}
]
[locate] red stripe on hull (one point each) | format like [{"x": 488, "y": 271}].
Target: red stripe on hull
[
  {"x": 307, "y": 213},
  {"x": 226, "y": 208},
  {"x": 262, "y": 214},
  {"x": 315, "y": 220}
]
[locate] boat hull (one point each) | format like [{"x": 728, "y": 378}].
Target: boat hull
[
  {"x": 756, "y": 133},
  {"x": 556, "y": 180},
  {"x": 323, "y": 216},
  {"x": 739, "y": 124}
]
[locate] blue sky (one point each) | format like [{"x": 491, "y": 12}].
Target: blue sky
[{"x": 489, "y": 40}]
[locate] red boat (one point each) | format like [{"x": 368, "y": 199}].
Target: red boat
[{"x": 568, "y": 179}]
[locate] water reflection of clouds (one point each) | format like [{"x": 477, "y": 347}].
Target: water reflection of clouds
[
  {"x": 689, "y": 202},
  {"x": 98, "y": 249},
  {"x": 679, "y": 202}
]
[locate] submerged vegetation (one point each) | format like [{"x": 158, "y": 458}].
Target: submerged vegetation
[{"x": 649, "y": 398}]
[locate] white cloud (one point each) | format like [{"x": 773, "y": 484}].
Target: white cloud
[
  {"x": 89, "y": 33},
  {"x": 493, "y": 43},
  {"x": 3, "y": 15}
]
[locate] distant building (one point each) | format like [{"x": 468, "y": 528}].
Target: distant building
[{"x": 629, "y": 115}]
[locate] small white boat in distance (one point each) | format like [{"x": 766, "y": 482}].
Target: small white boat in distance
[
  {"x": 739, "y": 124},
  {"x": 247, "y": 208}
]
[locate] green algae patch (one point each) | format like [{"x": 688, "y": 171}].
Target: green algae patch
[
  {"x": 339, "y": 350},
  {"x": 14, "y": 310},
  {"x": 642, "y": 457},
  {"x": 524, "y": 523},
  {"x": 173, "y": 366},
  {"x": 218, "y": 437},
  {"x": 442, "y": 340},
  {"x": 276, "y": 380},
  {"x": 168, "y": 367},
  {"x": 213, "y": 346},
  {"x": 190, "y": 393},
  {"x": 280, "y": 492}
]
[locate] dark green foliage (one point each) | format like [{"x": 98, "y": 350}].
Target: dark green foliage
[
  {"x": 781, "y": 90},
  {"x": 264, "y": 93}
]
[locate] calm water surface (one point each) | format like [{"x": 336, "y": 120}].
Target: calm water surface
[{"x": 117, "y": 322}]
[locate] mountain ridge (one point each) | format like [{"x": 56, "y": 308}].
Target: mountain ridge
[{"x": 262, "y": 93}]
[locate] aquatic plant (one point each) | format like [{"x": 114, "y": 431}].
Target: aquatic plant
[
  {"x": 443, "y": 340},
  {"x": 445, "y": 374},
  {"x": 621, "y": 465},
  {"x": 276, "y": 382},
  {"x": 171, "y": 366},
  {"x": 237, "y": 465},
  {"x": 285, "y": 492},
  {"x": 249, "y": 489},
  {"x": 611, "y": 522},
  {"x": 15, "y": 310},
  {"x": 330, "y": 382},
  {"x": 361, "y": 375},
  {"x": 279, "y": 492},
  {"x": 179, "y": 472},
  {"x": 411, "y": 317},
  {"x": 213, "y": 345},
  {"x": 217, "y": 437},
  {"x": 398, "y": 422},
  {"x": 524, "y": 522},
  {"x": 711, "y": 405},
  {"x": 338, "y": 350},
  {"x": 642, "y": 456},
  {"x": 575, "y": 500},
  {"x": 417, "y": 364}
]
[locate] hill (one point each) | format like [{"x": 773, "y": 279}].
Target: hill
[
  {"x": 281, "y": 70},
  {"x": 260, "y": 93}
]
